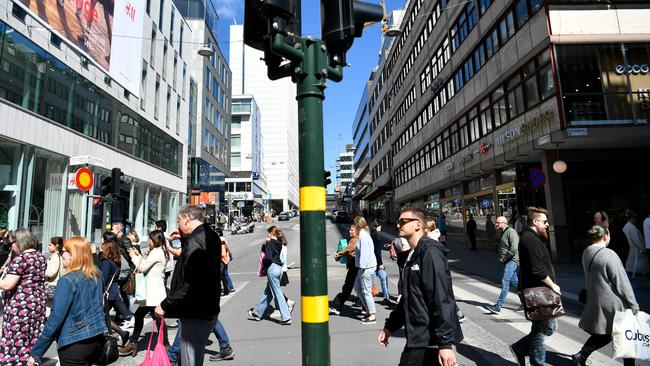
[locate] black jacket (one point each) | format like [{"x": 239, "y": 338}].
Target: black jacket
[
  {"x": 534, "y": 260},
  {"x": 272, "y": 248},
  {"x": 196, "y": 284},
  {"x": 427, "y": 308}
]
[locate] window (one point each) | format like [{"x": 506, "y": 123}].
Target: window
[
  {"x": 180, "y": 45},
  {"x": 235, "y": 123},
  {"x": 235, "y": 160},
  {"x": 164, "y": 65},
  {"x": 521, "y": 10},
  {"x": 206, "y": 139},
  {"x": 235, "y": 141},
  {"x": 532, "y": 94},
  {"x": 156, "y": 108},
  {"x": 178, "y": 115},
  {"x": 486, "y": 116},
  {"x": 160, "y": 14},
  {"x": 152, "y": 54},
  {"x": 167, "y": 111},
  {"x": 143, "y": 86},
  {"x": 171, "y": 27},
  {"x": 184, "y": 79},
  {"x": 175, "y": 71},
  {"x": 546, "y": 82}
]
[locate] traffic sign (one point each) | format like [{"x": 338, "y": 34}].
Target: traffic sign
[
  {"x": 84, "y": 179},
  {"x": 537, "y": 178}
]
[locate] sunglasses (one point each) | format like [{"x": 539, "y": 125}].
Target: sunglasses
[
  {"x": 404, "y": 221},
  {"x": 543, "y": 221}
]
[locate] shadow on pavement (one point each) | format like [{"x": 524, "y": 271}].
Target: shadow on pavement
[{"x": 482, "y": 357}]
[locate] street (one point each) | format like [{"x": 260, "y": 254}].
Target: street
[{"x": 486, "y": 340}]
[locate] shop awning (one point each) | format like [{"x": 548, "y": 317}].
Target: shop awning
[{"x": 376, "y": 193}]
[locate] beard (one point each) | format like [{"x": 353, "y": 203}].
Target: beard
[{"x": 543, "y": 233}]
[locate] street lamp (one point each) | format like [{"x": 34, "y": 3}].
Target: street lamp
[{"x": 206, "y": 51}]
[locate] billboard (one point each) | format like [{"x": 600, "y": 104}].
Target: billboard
[{"x": 108, "y": 31}]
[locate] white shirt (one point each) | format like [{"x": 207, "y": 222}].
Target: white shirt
[{"x": 646, "y": 232}]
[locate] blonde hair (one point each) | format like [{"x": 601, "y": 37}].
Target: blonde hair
[
  {"x": 133, "y": 236},
  {"x": 431, "y": 225},
  {"x": 597, "y": 232},
  {"x": 361, "y": 224},
  {"x": 81, "y": 258}
]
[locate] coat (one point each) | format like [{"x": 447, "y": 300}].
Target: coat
[
  {"x": 637, "y": 256},
  {"x": 153, "y": 268},
  {"x": 608, "y": 290}
]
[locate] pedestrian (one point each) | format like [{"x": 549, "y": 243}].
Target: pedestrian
[
  {"x": 126, "y": 269},
  {"x": 508, "y": 255},
  {"x": 225, "y": 349},
  {"x": 608, "y": 291},
  {"x": 284, "y": 281},
  {"x": 24, "y": 310},
  {"x": 77, "y": 322},
  {"x": 226, "y": 257},
  {"x": 348, "y": 253},
  {"x": 195, "y": 290},
  {"x": 161, "y": 225},
  {"x": 536, "y": 270},
  {"x": 273, "y": 266},
  {"x": 366, "y": 262},
  {"x": 381, "y": 269},
  {"x": 471, "y": 231},
  {"x": 636, "y": 259},
  {"x": 54, "y": 269},
  {"x": 442, "y": 226},
  {"x": 427, "y": 307},
  {"x": 153, "y": 268},
  {"x": 491, "y": 229},
  {"x": 109, "y": 266}
]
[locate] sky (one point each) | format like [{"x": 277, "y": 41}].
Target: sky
[{"x": 341, "y": 99}]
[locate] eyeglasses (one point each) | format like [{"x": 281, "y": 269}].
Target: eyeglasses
[
  {"x": 405, "y": 220},
  {"x": 543, "y": 221}
]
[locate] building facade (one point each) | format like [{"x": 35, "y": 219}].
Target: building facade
[
  {"x": 74, "y": 94},
  {"x": 209, "y": 118},
  {"x": 496, "y": 105},
  {"x": 345, "y": 175},
  {"x": 279, "y": 108},
  {"x": 362, "y": 154},
  {"x": 246, "y": 186}
]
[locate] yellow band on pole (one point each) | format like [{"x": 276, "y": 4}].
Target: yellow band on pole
[
  {"x": 315, "y": 309},
  {"x": 312, "y": 198}
]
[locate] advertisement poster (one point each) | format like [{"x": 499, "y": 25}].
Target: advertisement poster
[{"x": 108, "y": 31}]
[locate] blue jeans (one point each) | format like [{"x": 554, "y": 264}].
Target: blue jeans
[
  {"x": 231, "y": 287},
  {"x": 509, "y": 280},
  {"x": 533, "y": 343},
  {"x": 363, "y": 287},
  {"x": 273, "y": 290},
  {"x": 219, "y": 331},
  {"x": 222, "y": 337},
  {"x": 383, "y": 278}
]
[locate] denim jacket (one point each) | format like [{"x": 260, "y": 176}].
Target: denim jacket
[{"x": 77, "y": 313}]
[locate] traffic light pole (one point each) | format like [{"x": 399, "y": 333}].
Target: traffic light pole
[{"x": 311, "y": 76}]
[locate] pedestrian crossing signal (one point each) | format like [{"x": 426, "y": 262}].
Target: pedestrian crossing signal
[{"x": 327, "y": 181}]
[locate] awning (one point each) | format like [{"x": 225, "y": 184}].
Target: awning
[{"x": 376, "y": 193}]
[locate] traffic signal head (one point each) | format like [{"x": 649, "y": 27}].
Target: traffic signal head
[
  {"x": 341, "y": 21},
  {"x": 327, "y": 180},
  {"x": 116, "y": 181},
  {"x": 262, "y": 18},
  {"x": 106, "y": 186}
]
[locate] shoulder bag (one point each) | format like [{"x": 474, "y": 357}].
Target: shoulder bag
[
  {"x": 51, "y": 289},
  {"x": 542, "y": 303},
  {"x": 109, "y": 352},
  {"x": 582, "y": 296}
]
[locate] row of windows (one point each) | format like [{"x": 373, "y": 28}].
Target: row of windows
[
  {"x": 382, "y": 167},
  {"x": 211, "y": 145},
  {"x": 438, "y": 60},
  {"x": 382, "y": 137},
  {"x": 513, "y": 19},
  {"x": 408, "y": 101},
  {"x": 405, "y": 33},
  {"x": 35, "y": 80},
  {"x": 529, "y": 86}
]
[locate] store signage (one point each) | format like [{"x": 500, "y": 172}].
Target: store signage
[
  {"x": 526, "y": 128},
  {"x": 632, "y": 69},
  {"x": 510, "y": 190},
  {"x": 483, "y": 148},
  {"x": 256, "y": 175},
  {"x": 576, "y": 132},
  {"x": 86, "y": 160},
  {"x": 544, "y": 140}
]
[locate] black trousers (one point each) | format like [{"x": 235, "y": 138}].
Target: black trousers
[
  {"x": 346, "y": 290},
  {"x": 81, "y": 353},
  {"x": 419, "y": 356},
  {"x": 139, "y": 323},
  {"x": 472, "y": 240},
  {"x": 598, "y": 341}
]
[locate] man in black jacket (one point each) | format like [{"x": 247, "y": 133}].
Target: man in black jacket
[
  {"x": 536, "y": 270},
  {"x": 426, "y": 276},
  {"x": 195, "y": 290}
]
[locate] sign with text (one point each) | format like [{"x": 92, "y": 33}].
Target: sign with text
[{"x": 108, "y": 31}]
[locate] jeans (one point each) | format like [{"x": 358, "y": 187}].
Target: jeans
[
  {"x": 226, "y": 275},
  {"x": 174, "y": 350},
  {"x": 533, "y": 343},
  {"x": 273, "y": 290},
  {"x": 363, "y": 288},
  {"x": 194, "y": 338},
  {"x": 383, "y": 278},
  {"x": 509, "y": 280}
]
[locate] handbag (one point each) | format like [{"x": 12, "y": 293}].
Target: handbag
[
  {"x": 109, "y": 352},
  {"x": 261, "y": 270},
  {"x": 159, "y": 357},
  {"x": 129, "y": 286},
  {"x": 51, "y": 289},
  {"x": 140, "y": 287},
  {"x": 343, "y": 243},
  {"x": 582, "y": 296},
  {"x": 542, "y": 303},
  {"x": 630, "y": 335}
]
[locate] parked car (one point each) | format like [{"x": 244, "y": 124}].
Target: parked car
[
  {"x": 284, "y": 216},
  {"x": 342, "y": 217},
  {"x": 294, "y": 212}
]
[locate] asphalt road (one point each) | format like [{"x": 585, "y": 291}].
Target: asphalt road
[{"x": 486, "y": 341}]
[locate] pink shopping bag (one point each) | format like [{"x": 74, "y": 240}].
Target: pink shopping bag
[{"x": 159, "y": 357}]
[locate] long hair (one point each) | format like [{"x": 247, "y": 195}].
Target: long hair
[
  {"x": 275, "y": 231},
  {"x": 111, "y": 250},
  {"x": 81, "y": 259},
  {"x": 361, "y": 224},
  {"x": 57, "y": 241},
  {"x": 159, "y": 241}
]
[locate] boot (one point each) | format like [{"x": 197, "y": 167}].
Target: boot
[
  {"x": 579, "y": 359},
  {"x": 131, "y": 348},
  {"x": 124, "y": 335}
]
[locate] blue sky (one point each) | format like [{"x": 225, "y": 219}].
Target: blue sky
[{"x": 341, "y": 99}]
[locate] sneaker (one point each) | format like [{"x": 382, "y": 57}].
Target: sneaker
[
  {"x": 252, "y": 316},
  {"x": 285, "y": 322},
  {"x": 290, "y": 304},
  {"x": 493, "y": 309},
  {"x": 223, "y": 355},
  {"x": 127, "y": 323},
  {"x": 461, "y": 316},
  {"x": 225, "y": 294},
  {"x": 370, "y": 319},
  {"x": 334, "y": 311},
  {"x": 521, "y": 358}
]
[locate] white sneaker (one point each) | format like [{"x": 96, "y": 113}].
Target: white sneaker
[
  {"x": 128, "y": 323},
  {"x": 290, "y": 304}
]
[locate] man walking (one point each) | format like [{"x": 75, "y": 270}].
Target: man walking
[
  {"x": 195, "y": 290},
  {"x": 536, "y": 271},
  {"x": 471, "y": 231},
  {"x": 427, "y": 308},
  {"x": 509, "y": 256}
]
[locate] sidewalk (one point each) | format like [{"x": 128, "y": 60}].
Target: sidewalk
[{"x": 484, "y": 264}]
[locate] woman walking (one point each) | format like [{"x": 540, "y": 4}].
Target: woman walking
[
  {"x": 348, "y": 253},
  {"x": 153, "y": 267},
  {"x": 54, "y": 269},
  {"x": 77, "y": 321},
  {"x": 366, "y": 262},
  {"x": 608, "y": 291},
  {"x": 24, "y": 291},
  {"x": 273, "y": 265},
  {"x": 109, "y": 266}
]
